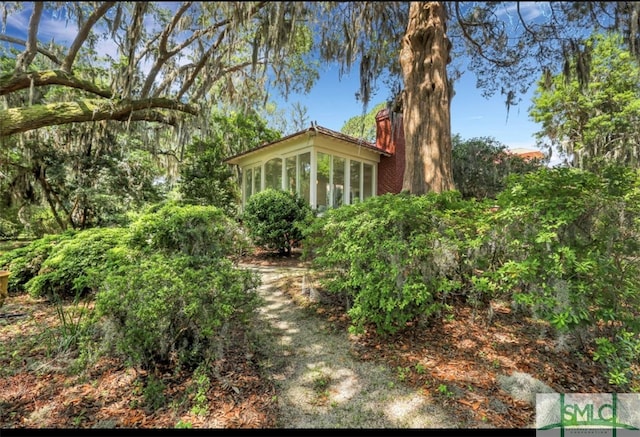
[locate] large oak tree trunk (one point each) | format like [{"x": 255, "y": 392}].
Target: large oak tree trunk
[{"x": 426, "y": 101}]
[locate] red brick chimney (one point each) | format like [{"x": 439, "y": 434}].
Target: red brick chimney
[{"x": 390, "y": 168}]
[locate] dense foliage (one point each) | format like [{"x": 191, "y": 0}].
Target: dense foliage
[
  {"x": 481, "y": 165},
  {"x": 25, "y": 262},
  {"x": 205, "y": 179},
  {"x": 560, "y": 244},
  {"x": 274, "y": 219},
  {"x": 595, "y": 121},
  {"x": 398, "y": 257},
  {"x": 160, "y": 309},
  {"x": 571, "y": 241},
  {"x": 193, "y": 230},
  {"x": 65, "y": 272},
  {"x": 166, "y": 288}
]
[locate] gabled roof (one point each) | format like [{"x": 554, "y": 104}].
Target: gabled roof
[{"x": 314, "y": 129}]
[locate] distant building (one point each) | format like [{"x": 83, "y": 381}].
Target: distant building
[{"x": 527, "y": 154}]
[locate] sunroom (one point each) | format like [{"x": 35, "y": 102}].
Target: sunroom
[{"x": 326, "y": 168}]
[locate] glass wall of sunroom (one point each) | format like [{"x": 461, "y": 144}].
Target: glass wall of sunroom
[{"x": 338, "y": 179}]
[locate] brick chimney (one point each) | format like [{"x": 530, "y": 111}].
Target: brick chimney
[{"x": 390, "y": 168}]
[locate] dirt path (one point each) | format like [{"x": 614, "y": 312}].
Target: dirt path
[{"x": 321, "y": 384}]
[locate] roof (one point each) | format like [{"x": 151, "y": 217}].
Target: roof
[
  {"x": 317, "y": 129},
  {"x": 527, "y": 153}
]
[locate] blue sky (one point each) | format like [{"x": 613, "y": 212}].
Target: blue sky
[{"x": 332, "y": 102}]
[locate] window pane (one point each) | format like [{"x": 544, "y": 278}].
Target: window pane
[
  {"x": 367, "y": 189},
  {"x": 338, "y": 181},
  {"x": 354, "y": 181},
  {"x": 256, "y": 180},
  {"x": 273, "y": 174},
  {"x": 304, "y": 172},
  {"x": 291, "y": 174},
  {"x": 248, "y": 183},
  {"x": 322, "y": 186}
]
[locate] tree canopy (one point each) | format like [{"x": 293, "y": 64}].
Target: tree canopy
[
  {"x": 164, "y": 62},
  {"x": 99, "y": 123},
  {"x": 363, "y": 126},
  {"x": 424, "y": 47},
  {"x": 594, "y": 122},
  {"x": 205, "y": 178},
  {"x": 171, "y": 61}
]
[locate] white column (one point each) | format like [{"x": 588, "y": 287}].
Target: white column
[{"x": 313, "y": 179}]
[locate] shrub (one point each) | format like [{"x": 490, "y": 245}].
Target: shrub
[
  {"x": 398, "y": 257},
  {"x": 571, "y": 241},
  {"x": 201, "y": 231},
  {"x": 161, "y": 309},
  {"x": 25, "y": 262},
  {"x": 8, "y": 229},
  {"x": 274, "y": 219},
  {"x": 481, "y": 166},
  {"x": 64, "y": 273}
]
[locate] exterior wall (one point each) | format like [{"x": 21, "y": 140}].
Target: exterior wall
[{"x": 390, "y": 168}]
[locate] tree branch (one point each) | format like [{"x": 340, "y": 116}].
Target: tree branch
[
  {"x": 17, "y": 120},
  {"x": 83, "y": 33},
  {"x": 170, "y": 77},
  {"x": 22, "y": 42},
  {"x": 151, "y": 115},
  {"x": 198, "y": 67},
  {"x": 163, "y": 55},
  {"x": 464, "y": 25},
  {"x": 26, "y": 57},
  {"x": 12, "y": 83}
]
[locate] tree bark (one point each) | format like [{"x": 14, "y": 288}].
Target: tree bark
[
  {"x": 83, "y": 34},
  {"x": 49, "y": 194},
  {"x": 22, "y": 81},
  {"x": 23, "y": 119},
  {"x": 426, "y": 100},
  {"x": 24, "y": 60}
]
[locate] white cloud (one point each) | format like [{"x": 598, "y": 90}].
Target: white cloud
[
  {"x": 57, "y": 29},
  {"x": 61, "y": 31},
  {"x": 18, "y": 22},
  {"x": 528, "y": 10}
]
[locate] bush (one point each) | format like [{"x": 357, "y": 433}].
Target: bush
[
  {"x": 25, "y": 262},
  {"x": 571, "y": 242},
  {"x": 274, "y": 219},
  {"x": 481, "y": 166},
  {"x": 64, "y": 273},
  {"x": 8, "y": 229},
  {"x": 160, "y": 309},
  {"x": 201, "y": 231},
  {"x": 398, "y": 257}
]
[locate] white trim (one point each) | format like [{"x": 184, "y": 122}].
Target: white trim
[{"x": 313, "y": 146}]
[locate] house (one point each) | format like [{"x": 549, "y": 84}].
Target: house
[{"x": 344, "y": 169}]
